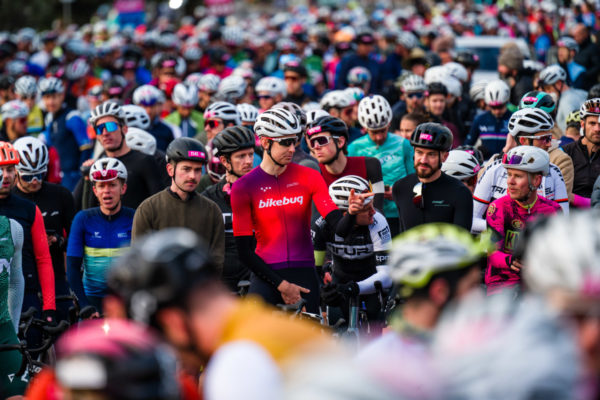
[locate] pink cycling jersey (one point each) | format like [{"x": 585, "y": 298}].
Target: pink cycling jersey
[
  {"x": 277, "y": 210},
  {"x": 507, "y": 219}
]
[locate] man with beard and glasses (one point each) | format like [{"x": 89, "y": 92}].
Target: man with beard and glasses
[
  {"x": 179, "y": 205},
  {"x": 145, "y": 176},
  {"x": 429, "y": 195},
  {"x": 99, "y": 234}
]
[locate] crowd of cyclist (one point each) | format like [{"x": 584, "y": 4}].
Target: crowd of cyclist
[{"x": 183, "y": 181}]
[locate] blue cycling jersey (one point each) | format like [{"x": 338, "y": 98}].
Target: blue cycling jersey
[{"x": 491, "y": 130}]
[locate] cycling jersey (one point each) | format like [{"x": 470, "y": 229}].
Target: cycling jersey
[
  {"x": 368, "y": 168},
  {"x": 35, "y": 120},
  {"x": 396, "y": 157},
  {"x": 162, "y": 133},
  {"x": 507, "y": 219},
  {"x": 37, "y": 264},
  {"x": 444, "y": 200},
  {"x": 234, "y": 269},
  {"x": 277, "y": 210},
  {"x": 67, "y": 132},
  {"x": 492, "y": 185},
  {"x": 191, "y": 126},
  {"x": 96, "y": 240},
  {"x": 492, "y": 132},
  {"x": 355, "y": 257}
]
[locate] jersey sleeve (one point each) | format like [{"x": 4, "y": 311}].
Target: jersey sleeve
[
  {"x": 43, "y": 260},
  {"x": 78, "y": 128},
  {"x": 241, "y": 206},
  {"x": 560, "y": 189},
  {"x": 320, "y": 194},
  {"x": 482, "y": 195},
  {"x": 409, "y": 157},
  {"x": 381, "y": 238},
  {"x": 141, "y": 221},
  {"x": 16, "y": 285},
  {"x": 473, "y": 134},
  {"x": 318, "y": 234},
  {"x": 463, "y": 208},
  {"x": 498, "y": 260},
  {"x": 76, "y": 236},
  {"x": 375, "y": 176}
]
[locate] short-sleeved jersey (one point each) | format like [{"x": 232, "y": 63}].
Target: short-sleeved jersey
[
  {"x": 355, "y": 257},
  {"x": 492, "y": 186},
  {"x": 99, "y": 239},
  {"x": 277, "y": 210},
  {"x": 507, "y": 219}
]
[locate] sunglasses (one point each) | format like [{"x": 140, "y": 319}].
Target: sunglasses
[
  {"x": 497, "y": 107},
  {"x": 105, "y": 175},
  {"x": 418, "y": 195},
  {"x": 212, "y": 123},
  {"x": 513, "y": 160},
  {"x": 291, "y": 78},
  {"x": 543, "y": 138},
  {"x": 264, "y": 96},
  {"x": 319, "y": 141},
  {"x": 110, "y": 127},
  {"x": 415, "y": 95},
  {"x": 286, "y": 142},
  {"x": 30, "y": 178}
]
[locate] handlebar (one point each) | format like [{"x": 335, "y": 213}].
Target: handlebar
[{"x": 296, "y": 307}]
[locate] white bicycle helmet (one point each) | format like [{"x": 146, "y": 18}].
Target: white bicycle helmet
[
  {"x": 33, "y": 156},
  {"x": 272, "y": 85},
  {"x": 50, "y": 85},
  {"x": 552, "y": 74},
  {"x": 193, "y": 79},
  {"x": 426, "y": 250},
  {"x": 136, "y": 116},
  {"x": 209, "y": 83},
  {"x": 499, "y": 348},
  {"x": 336, "y": 99},
  {"x": 140, "y": 140},
  {"x": 233, "y": 35},
  {"x": 358, "y": 76},
  {"x": 374, "y": 112},
  {"x": 340, "y": 189},
  {"x": 107, "y": 169},
  {"x": 232, "y": 88},
  {"x": 453, "y": 86},
  {"x": 461, "y": 165},
  {"x": 248, "y": 113},
  {"x": 437, "y": 73},
  {"x": 215, "y": 169},
  {"x": 568, "y": 42},
  {"x": 77, "y": 69},
  {"x": 527, "y": 158},
  {"x": 529, "y": 121},
  {"x": 109, "y": 108},
  {"x": 315, "y": 115},
  {"x": 413, "y": 83},
  {"x": 407, "y": 40},
  {"x": 294, "y": 109},
  {"x": 26, "y": 86},
  {"x": 278, "y": 122},
  {"x": 354, "y": 93},
  {"x": 457, "y": 71},
  {"x": 185, "y": 95},
  {"x": 497, "y": 93},
  {"x": 14, "y": 109},
  {"x": 477, "y": 90},
  {"x": 223, "y": 110},
  {"x": 146, "y": 95},
  {"x": 563, "y": 255},
  {"x": 589, "y": 107}
]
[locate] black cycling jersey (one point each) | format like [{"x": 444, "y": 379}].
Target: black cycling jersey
[
  {"x": 356, "y": 256},
  {"x": 234, "y": 269},
  {"x": 144, "y": 178},
  {"x": 444, "y": 200},
  {"x": 58, "y": 209}
]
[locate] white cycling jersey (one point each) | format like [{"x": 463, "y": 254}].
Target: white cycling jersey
[{"x": 492, "y": 186}]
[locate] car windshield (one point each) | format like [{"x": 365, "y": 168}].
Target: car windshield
[{"x": 488, "y": 57}]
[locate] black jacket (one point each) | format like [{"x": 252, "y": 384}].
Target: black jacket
[{"x": 586, "y": 167}]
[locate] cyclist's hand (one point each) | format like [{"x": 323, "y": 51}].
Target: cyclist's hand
[
  {"x": 51, "y": 239},
  {"x": 327, "y": 278},
  {"x": 88, "y": 163},
  {"x": 49, "y": 316},
  {"x": 349, "y": 289},
  {"x": 516, "y": 265},
  {"x": 290, "y": 293},
  {"x": 356, "y": 202},
  {"x": 387, "y": 194}
]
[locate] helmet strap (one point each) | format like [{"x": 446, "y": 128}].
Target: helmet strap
[
  {"x": 231, "y": 171},
  {"x": 338, "y": 149},
  {"x": 271, "y": 157}
]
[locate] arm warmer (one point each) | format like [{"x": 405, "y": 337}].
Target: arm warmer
[
  {"x": 367, "y": 286},
  {"x": 16, "y": 285},
  {"x": 581, "y": 202},
  {"x": 43, "y": 261},
  {"x": 246, "y": 247},
  {"x": 75, "y": 279}
]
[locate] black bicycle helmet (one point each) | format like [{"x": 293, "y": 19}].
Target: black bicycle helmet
[
  {"x": 232, "y": 139},
  {"x": 538, "y": 99},
  {"x": 186, "y": 149},
  {"x": 467, "y": 58},
  {"x": 432, "y": 135},
  {"x": 159, "y": 270},
  {"x": 472, "y": 150},
  {"x": 327, "y": 123}
]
